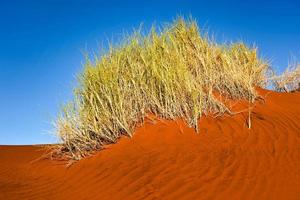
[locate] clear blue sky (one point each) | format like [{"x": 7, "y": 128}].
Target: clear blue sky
[{"x": 41, "y": 44}]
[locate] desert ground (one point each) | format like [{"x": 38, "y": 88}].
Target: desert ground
[{"x": 168, "y": 160}]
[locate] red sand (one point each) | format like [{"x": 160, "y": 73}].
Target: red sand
[{"x": 168, "y": 160}]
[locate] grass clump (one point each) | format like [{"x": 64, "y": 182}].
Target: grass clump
[
  {"x": 289, "y": 80},
  {"x": 175, "y": 73}
]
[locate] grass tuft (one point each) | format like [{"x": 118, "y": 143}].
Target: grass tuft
[
  {"x": 175, "y": 73},
  {"x": 289, "y": 80}
]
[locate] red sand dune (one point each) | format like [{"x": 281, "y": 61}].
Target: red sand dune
[{"x": 168, "y": 160}]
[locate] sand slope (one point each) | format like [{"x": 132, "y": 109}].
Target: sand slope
[{"x": 167, "y": 160}]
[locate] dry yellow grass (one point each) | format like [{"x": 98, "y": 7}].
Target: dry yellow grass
[
  {"x": 172, "y": 74},
  {"x": 289, "y": 80}
]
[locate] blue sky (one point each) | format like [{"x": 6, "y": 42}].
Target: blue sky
[{"x": 41, "y": 45}]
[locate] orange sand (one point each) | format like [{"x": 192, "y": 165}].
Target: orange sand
[{"x": 168, "y": 160}]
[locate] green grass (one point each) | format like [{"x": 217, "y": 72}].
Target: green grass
[{"x": 175, "y": 73}]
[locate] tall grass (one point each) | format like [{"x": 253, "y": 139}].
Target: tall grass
[{"x": 176, "y": 73}]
